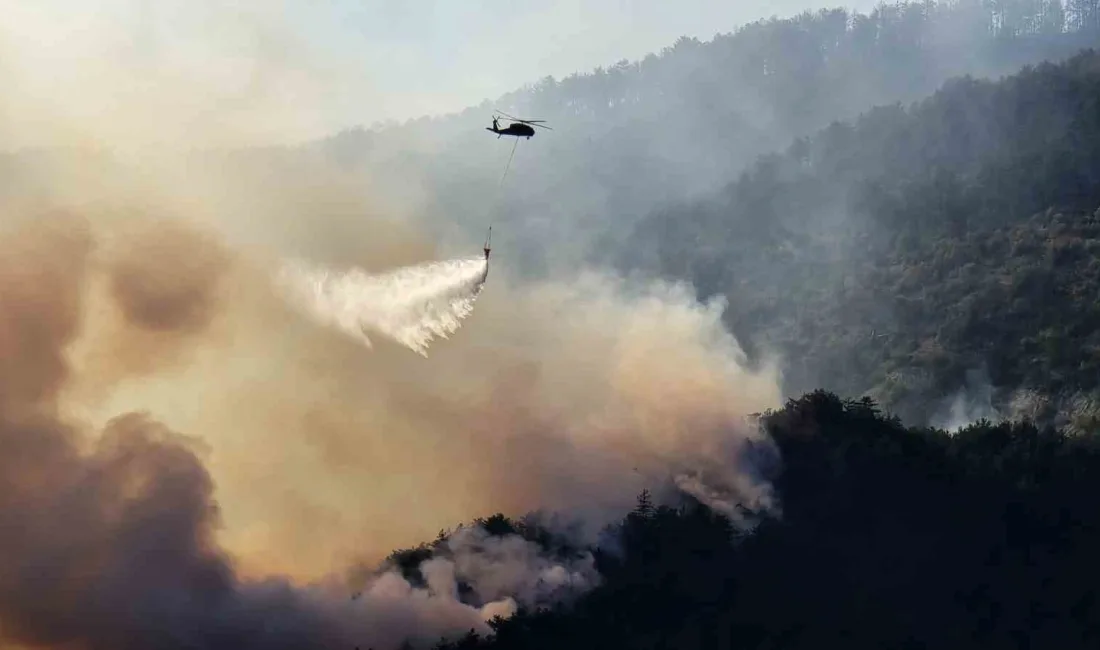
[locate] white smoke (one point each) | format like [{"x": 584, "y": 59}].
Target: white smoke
[
  {"x": 502, "y": 570},
  {"x": 971, "y": 404},
  {"x": 489, "y": 575},
  {"x": 412, "y": 305}
]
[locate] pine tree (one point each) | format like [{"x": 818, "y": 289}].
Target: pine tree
[{"x": 645, "y": 507}]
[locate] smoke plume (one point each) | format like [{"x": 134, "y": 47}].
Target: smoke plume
[
  {"x": 308, "y": 452},
  {"x": 195, "y": 455},
  {"x": 111, "y": 537}
]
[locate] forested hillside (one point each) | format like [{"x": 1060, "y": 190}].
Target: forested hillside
[
  {"x": 889, "y": 538},
  {"x": 903, "y": 206},
  {"x": 688, "y": 120},
  {"x": 899, "y": 253},
  {"x": 891, "y": 218},
  {"x": 921, "y": 252},
  {"x": 905, "y": 252},
  {"x": 893, "y": 222}
]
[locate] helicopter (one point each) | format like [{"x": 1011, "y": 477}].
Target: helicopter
[{"x": 519, "y": 128}]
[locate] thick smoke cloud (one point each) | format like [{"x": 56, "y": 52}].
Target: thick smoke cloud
[
  {"x": 147, "y": 283},
  {"x": 111, "y": 535},
  {"x": 187, "y": 460},
  {"x": 307, "y": 452}
]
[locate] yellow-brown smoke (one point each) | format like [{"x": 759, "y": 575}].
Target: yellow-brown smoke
[
  {"x": 136, "y": 301},
  {"x": 321, "y": 449},
  {"x": 307, "y": 451}
]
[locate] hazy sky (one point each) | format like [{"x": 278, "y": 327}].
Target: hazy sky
[
  {"x": 300, "y": 69},
  {"x": 435, "y": 55}
]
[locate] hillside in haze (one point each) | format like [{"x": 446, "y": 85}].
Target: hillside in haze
[
  {"x": 916, "y": 253},
  {"x": 821, "y": 294},
  {"x": 939, "y": 256},
  {"x": 686, "y": 121},
  {"x": 668, "y": 166}
]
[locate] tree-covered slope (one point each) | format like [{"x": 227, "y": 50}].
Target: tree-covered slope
[
  {"x": 900, "y": 252},
  {"x": 686, "y": 120},
  {"x": 889, "y": 537}
]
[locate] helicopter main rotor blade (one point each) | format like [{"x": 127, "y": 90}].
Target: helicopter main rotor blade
[{"x": 516, "y": 119}]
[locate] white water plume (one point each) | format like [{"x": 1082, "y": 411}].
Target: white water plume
[{"x": 412, "y": 305}]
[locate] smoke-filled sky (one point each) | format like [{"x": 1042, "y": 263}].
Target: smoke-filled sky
[
  {"x": 182, "y": 450},
  {"x": 262, "y": 71},
  {"x": 178, "y": 443}
]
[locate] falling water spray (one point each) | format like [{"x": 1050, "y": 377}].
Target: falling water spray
[{"x": 412, "y": 305}]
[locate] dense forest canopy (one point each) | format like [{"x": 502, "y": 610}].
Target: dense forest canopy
[{"x": 909, "y": 249}]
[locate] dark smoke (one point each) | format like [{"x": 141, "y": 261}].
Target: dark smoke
[
  {"x": 164, "y": 278},
  {"x": 109, "y": 539}
]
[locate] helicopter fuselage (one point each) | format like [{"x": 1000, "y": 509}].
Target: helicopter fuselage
[{"x": 516, "y": 129}]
